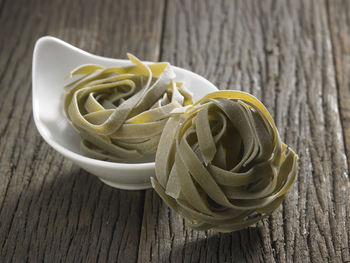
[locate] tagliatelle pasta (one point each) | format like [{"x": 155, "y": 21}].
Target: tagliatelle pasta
[
  {"x": 221, "y": 164},
  {"x": 120, "y": 112}
]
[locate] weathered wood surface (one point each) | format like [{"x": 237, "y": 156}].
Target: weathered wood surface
[
  {"x": 293, "y": 55},
  {"x": 51, "y": 211},
  {"x": 281, "y": 51}
]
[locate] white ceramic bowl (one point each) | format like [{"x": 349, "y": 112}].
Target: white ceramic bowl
[{"x": 53, "y": 59}]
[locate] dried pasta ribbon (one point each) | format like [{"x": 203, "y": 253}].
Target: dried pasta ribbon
[
  {"x": 120, "y": 112},
  {"x": 221, "y": 164}
]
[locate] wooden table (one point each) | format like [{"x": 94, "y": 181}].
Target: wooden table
[{"x": 293, "y": 55}]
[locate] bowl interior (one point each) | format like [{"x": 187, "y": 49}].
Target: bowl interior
[{"x": 53, "y": 60}]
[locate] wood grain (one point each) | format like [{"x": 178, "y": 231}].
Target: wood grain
[
  {"x": 280, "y": 51},
  {"x": 340, "y": 37},
  {"x": 293, "y": 55},
  {"x": 50, "y": 210}
]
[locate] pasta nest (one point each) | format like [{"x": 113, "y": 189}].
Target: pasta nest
[
  {"x": 222, "y": 164},
  {"x": 120, "y": 113}
]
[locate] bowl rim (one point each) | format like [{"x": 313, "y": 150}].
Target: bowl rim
[{"x": 63, "y": 150}]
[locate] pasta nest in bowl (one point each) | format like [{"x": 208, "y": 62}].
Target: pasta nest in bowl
[
  {"x": 120, "y": 112},
  {"x": 221, "y": 164}
]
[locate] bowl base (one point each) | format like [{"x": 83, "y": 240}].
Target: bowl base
[{"x": 127, "y": 186}]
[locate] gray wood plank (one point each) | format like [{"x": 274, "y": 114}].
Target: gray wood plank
[
  {"x": 280, "y": 51},
  {"x": 339, "y": 17},
  {"x": 50, "y": 210}
]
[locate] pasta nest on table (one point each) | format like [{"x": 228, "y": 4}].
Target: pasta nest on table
[
  {"x": 222, "y": 164},
  {"x": 120, "y": 112}
]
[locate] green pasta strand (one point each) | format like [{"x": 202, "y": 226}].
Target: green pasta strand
[
  {"x": 221, "y": 164},
  {"x": 120, "y": 112}
]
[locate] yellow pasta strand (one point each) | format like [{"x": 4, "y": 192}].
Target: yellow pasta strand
[{"x": 120, "y": 112}]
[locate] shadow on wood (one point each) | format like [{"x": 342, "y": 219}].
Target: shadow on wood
[
  {"x": 222, "y": 247},
  {"x": 69, "y": 215}
]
